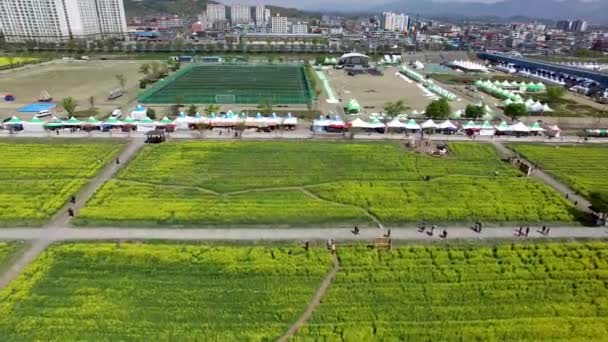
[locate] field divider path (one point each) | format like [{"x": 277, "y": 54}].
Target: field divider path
[
  {"x": 62, "y": 218},
  {"x": 315, "y": 301},
  {"x": 582, "y": 204},
  {"x": 42, "y": 238}
]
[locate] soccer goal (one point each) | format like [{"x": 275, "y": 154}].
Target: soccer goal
[{"x": 225, "y": 98}]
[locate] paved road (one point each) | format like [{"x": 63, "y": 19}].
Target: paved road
[{"x": 286, "y": 234}]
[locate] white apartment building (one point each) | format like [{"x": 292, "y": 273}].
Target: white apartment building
[
  {"x": 394, "y": 22},
  {"x": 216, "y": 13},
  {"x": 267, "y": 16},
  {"x": 240, "y": 14},
  {"x": 299, "y": 28},
  {"x": 278, "y": 24},
  {"x": 58, "y": 20},
  {"x": 260, "y": 16}
]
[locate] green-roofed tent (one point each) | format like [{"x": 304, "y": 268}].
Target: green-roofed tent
[
  {"x": 113, "y": 122},
  {"x": 503, "y": 127},
  {"x": 165, "y": 121},
  {"x": 353, "y": 107},
  {"x": 72, "y": 122},
  {"x": 14, "y": 121}
]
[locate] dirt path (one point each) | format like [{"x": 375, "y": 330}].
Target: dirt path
[
  {"x": 314, "y": 303},
  {"x": 581, "y": 203},
  {"x": 42, "y": 238},
  {"x": 62, "y": 219}
]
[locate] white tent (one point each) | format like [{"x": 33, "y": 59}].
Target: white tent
[
  {"x": 519, "y": 127},
  {"x": 553, "y": 131},
  {"x": 546, "y": 108},
  {"x": 487, "y": 129},
  {"x": 428, "y": 124},
  {"x": 139, "y": 113},
  {"x": 290, "y": 120},
  {"x": 447, "y": 124},
  {"x": 34, "y": 125},
  {"x": 183, "y": 120},
  {"x": 358, "y": 123},
  {"x": 395, "y": 123}
]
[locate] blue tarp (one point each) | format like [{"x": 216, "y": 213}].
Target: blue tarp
[{"x": 36, "y": 107}]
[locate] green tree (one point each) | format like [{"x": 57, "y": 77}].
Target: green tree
[
  {"x": 144, "y": 68},
  {"x": 192, "y": 110},
  {"x": 515, "y": 110},
  {"x": 212, "y": 108},
  {"x": 155, "y": 68},
  {"x": 395, "y": 108},
  {"x": 599, "y": 201},
  {"x": 151, "y": 113},
  {"x": 438, "y": 109},
  {"x": 474, "y": 112},
  {"x": 555, "y": 93},
  {"x": 265, "y": 106},
  {"x": 69, "y": 105},
  {"x": 122, "y": 80}
]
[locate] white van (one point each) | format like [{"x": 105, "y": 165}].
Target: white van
[{"x": 43, "y": 113}]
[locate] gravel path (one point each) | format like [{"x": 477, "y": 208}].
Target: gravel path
[
  {"x": 42, "y": 238},
  {"x": 314, "y": 302}
]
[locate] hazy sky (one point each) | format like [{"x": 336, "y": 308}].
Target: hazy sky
[{"x": 350, "y": 4}]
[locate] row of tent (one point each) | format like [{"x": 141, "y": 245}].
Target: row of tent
[
  {"x": 530, "y": 87},
  {"x": 427, "y": 83},
  {"x": 512, "y": 97},
  {"x": 553, "y": 79},
  {"x": 468, "y": 65},
  {"x": 183, "y": 121},
  {"x": 411, "y": 124}
]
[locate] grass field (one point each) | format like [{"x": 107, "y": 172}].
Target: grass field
[
  {"x": 584, "y": 168},
  {"x": 8, "y": 251},
  {"x": 511, "y": 292},
  {"x": 243, "y": 84},
  {"x": 317, "y": 183},
  {"x": 36, "y": 179},
  {"x": 160, "y": 292},
  {"x": 16, "y": 60}
]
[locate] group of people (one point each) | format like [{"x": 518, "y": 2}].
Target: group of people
[{"x": 431, "y": 232}]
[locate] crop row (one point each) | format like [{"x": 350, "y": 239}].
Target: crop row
[
  {"x": 509, "y": 292},
  {"x": 129, "y": 202},
  {"x": 232, "y": 166},
  {"x": 156, "y": 291},
  {"x": 455, "y": 198},
  {"x": 36, "y": 179}
]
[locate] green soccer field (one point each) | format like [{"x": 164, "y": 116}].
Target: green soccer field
[{"x": 243, "y": 84}]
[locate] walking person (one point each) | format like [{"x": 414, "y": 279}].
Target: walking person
[
  {"x": 547, "y": 231},
  {"x": 71, "y": 212},
  {"x": 355, "y": 231},
  {"x": 73, "y": 199},
  {"x": 444, "y": 234},
  {"x": 117, "y": 161},
  {"x": 432, "y": 231},
  {"x": 527, "y": 231},
  {"x": 519, "y": 231}
]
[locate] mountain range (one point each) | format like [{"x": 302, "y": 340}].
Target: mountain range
[{"x": 594, "y": 11}]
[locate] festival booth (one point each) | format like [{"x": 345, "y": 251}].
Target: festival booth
[
  {"x": 396, "y": 125},
  {"x": 290, "y": 122},
  {"x": 471, "y": 128},
  {"x": 447, "y": 127},
  {"x": 519, "y": 129},
  {"x": 375, "y": 125},
  {"x": 91, "y": 124},
  {"x": 503, "y": 128},
  {"x": 411, "y": 126},
  {"x": 429, "y": 125},
  {"x": 72, "y": 123},
  {"x": 54, "y": 125},
  {"x": 111, "y": 123},
  {"x": 183, "y": 121},
  {"x": 146, "y": 125},
  {"x": 336, "y": 125},
  {"x": 321, "y": 124},
  {"x": 273, "y": 121},
  {"x": 165, "y": 124},
  {"x": 140, "y": 112},
  {"x": 487, "y": 129},
  {"x": 597, "y": 132},
  {"x": 352, "y": 107},
  {"x": 129, "y": 124},
  {"x": 358, "y": 123},
  {"x": 553, "y": 131},
  {"x": 14, "y": 124},
  {"x": 34, "y": 125},
  {"x": 536, "y": 129}
]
